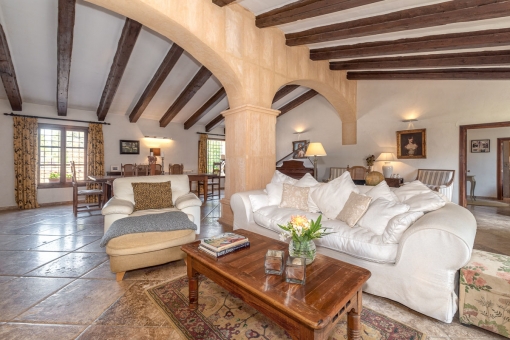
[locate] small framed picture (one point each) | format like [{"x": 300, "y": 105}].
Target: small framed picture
[
  {"x": 114, "y": 168},
  {"x": 412, "y": 144},
  {"x": 299, "y": 148},
  {"x": 129, "y": 147},
  {"x": 480, "y": 145}
]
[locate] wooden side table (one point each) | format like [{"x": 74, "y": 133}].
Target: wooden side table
[{"x": 394, "y": 182}]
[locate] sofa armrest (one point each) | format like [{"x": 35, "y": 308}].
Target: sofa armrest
[
  {"x": 188, "y": 200},
  {"x": 241, "y": 206},
  {"x": 118, "y": 206}
]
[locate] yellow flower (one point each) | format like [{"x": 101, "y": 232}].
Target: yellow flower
[{"x": 300, "y": 221}]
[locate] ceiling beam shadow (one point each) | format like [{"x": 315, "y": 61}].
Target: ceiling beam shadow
[
  {"x": 444, "y": 13},
  {"x": 212, "y": 102},
  {"x": 222, "y": 3},
  {"x": 159, "y": 77},
  {"x": 65, "y": 33},
  {"x": 126, "y": 44},
  {"x": 305, "y": 9},
  {"x": 189, "y": 92},
  {"x": 296, "y": 102},
  {"x": 452, "y": 41},
  {"x": 8, "y": 74},
  {"x": 443, "y": 74},
  {"x": 494, "y": 58}
]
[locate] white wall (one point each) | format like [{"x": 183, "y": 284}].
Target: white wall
[
  {"x": 440, "y": 107},
  {"x": 183, "y": 148},
  {"x": 484, "y": 165}
]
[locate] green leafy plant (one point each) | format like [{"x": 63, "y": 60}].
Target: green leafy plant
[
  {"x": 69, "y": 176},
  {"x": 54, "y": 175},
  {"x": 302, "y": 230},
  {"x": 370, "y": 160}
]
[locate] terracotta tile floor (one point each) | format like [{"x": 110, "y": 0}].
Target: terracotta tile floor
[{"x": 55, "y": 280}]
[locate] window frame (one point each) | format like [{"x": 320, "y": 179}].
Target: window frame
[
  {"x": 214, "y": 139},
  {"x": 63, "y": 130}
]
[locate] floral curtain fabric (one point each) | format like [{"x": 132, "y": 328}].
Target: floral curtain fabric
[
  {"x": 95, "y": 157},
  {"x": 25, "y": 138},
  {"x": 202, "y": 156}
]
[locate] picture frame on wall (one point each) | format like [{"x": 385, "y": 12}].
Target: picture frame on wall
[
  {"x": 129, "y": 147},
  {"x": 412, "y": 144},
  {"x": 480, "y": 145},
  {"x": 114, "y": 168},
  {"x": 299, "y": 148}
]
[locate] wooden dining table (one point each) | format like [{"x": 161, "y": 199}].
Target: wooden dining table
[
  {"x": 107, "y": 183},
  {"x": 203, "y": 178}
]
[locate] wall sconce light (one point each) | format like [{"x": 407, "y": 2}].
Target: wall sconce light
[
  {"x": 409, "y": 120},
  {"x": 156, "y": 137}
]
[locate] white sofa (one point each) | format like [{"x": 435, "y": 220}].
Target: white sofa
[
  {"x": 123, "y": 203},
  {"x": 420, "y": 271}
]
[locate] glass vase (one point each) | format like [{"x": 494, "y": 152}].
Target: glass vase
[{"x": 304, "y": 249}]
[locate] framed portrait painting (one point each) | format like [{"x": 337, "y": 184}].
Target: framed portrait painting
[
  {"x": 129, "y": 147},
  {"x": 412, "y": 144},
  {"x": 299, "y": 148},
  {"x": 480, "y": 145}
]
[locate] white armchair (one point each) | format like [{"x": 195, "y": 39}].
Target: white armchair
[{"x": 438, "y": 180}]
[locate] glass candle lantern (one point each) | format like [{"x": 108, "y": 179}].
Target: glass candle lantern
[
  {"x": 295, "y": 270},
  {"x": 274, "y": 262}
]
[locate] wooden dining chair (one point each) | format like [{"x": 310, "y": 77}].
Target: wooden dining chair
[
  {"x": 157, "y": 170},
  {"x": 128, "y": 170},
  {"x": 142, "y": 170},
  {"x": 358, "y": 174},
  {"x": 175, "y": 169},
  {"x": 80, "y": 206},
  {"x": 213, "y": 188}
]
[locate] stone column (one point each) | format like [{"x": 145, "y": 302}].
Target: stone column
[{"x": 250, "y": 152}]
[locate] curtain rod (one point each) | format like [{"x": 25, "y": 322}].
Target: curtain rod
[
  {"x": 211, "y": 134},
  {"x": 64, "y": 119}
]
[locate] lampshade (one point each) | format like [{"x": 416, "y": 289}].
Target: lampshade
[
  {"x": 156, "y": 151},
  {"x": 386, "y": 157},
  {"x": 315, "y": 149}
]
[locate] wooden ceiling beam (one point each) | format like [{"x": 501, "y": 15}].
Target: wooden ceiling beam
[
  {"x": 125, "y": 46},
  {"x": 65, "y": 33},
  {"x": 453, "y": 41},
  {"x": 8, "y": 74},
  {"x": 296, "y": 102},
  {"x": 494, "y": 58},
  {"x": 278, "y": 95},
  {"x": 189, "y": 92},
  {"x": 222, "y": 3},
  {"x": 305, "y": 9},
  {"x": 212, "y": 102},
  {"x": 444, "y": 13},
  {"x": 159, "y": 77},
  {"x": 439, "y": 74}
]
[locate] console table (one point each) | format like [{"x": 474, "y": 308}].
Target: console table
[
  {"x": 472, "y": 179},
  {"x": 294, "y": 169}
]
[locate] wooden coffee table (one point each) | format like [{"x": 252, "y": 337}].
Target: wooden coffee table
[{"x": 332, "y": 287}]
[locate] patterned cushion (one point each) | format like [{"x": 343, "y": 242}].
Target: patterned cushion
[
  {"x": 354, "y": 208},
  {"x": 152, "y": 195},
  {"x": 294, "y": 197}
]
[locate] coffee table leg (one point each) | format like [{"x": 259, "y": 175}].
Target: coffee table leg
[
  {"x": 353, "y": 325},
  {"x": 193, "y": 285}
]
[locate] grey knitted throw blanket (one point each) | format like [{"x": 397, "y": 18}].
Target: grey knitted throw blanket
[{"x": 169, "y": 221}]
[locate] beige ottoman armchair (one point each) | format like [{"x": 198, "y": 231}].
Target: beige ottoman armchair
[{"x": 139, "y": 250}]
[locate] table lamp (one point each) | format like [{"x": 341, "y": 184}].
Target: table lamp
[
  {"x": 315, "y": 149},
  {"x": 387, "y": 158}
]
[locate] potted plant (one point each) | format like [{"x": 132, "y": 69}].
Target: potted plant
[
  {"x": 69, "y": 177},
  {"x": 54, "y": 177}
]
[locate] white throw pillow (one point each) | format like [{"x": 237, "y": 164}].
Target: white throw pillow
[
  {"x": 331, "y": 197},
  {"x": 294, "y": 197},
  {"x": 278, "y": 177},
  {"x": 274, "y": 193},
  {"x": 411, "y": 189},
  {"x": 426, "y": 202},
  {"x": 379, "y": 213},
  {"x": 307, "y": 181},
  {"x": 398, "y": 225},
  {"x": 354, "y": 209},
  {"x": 258, "y": 201},
  {"x": 382, "y": 190}
]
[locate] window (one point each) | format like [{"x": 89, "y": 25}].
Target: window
[
  {"x": 58, "y": 146},
  {"x": 215, "y": 148}
]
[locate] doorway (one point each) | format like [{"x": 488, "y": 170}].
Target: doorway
[
  {"x": 463, "y": 147},
  {"x": 503, "y": 169}
]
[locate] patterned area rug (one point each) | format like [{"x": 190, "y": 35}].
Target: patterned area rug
[{"x": 222, "y": 316}]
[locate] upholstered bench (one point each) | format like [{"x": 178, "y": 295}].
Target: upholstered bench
[{"x": 485, "y": 292}]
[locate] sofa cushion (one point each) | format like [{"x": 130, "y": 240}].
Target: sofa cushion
[
  {"x": 411, "y": 189},
  {"x": 274, "y": 193},
  {"x": 307, "y": 181},
  {"x": 258, "y": 201},
  {"x": 358, "y": 242},
  {"x": 279, "y": 177},
  {"x": 398, "y": 225},
  {"x": 331, "y": 197},
  {"x": 354, "y": 209},
  {"x": 426, "y": 202},
  {"x": 382, "y": 190},
  {"x": 379, "y": 213},
  {"x": 294, "y": 197},
  {"x": 123, "y": 189},
  {"x": 152, "y": 195}
]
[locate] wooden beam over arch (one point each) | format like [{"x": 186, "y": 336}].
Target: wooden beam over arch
[
  {"x": 212, "y": 102},
  {"x": 222, "y": 3},
  {"x": 65, "y": 34},
  {"x": 296, "y": 102},
  {"x": 440, "y": 74},
  {"x": 8, "y": 74},
  {"x": 125, "y": 46}
]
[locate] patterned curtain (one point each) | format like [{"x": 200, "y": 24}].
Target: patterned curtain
[
  {"x": 95, "y": 157},
  {"x": 202, "y": 154},
  {"x": 25, "y": 162}
]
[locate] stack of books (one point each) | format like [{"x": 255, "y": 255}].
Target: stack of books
[{"x": 223, "y": 244}]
